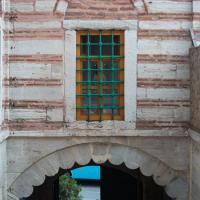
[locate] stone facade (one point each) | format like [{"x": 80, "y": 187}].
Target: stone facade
[
  {"x": 37, "y": 133},
  {"x": 34, "y": 82}
]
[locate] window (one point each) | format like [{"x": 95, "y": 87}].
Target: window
[{"x": 100, "y": 75}]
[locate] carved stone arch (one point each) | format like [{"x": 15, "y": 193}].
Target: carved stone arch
[{"x": 99, "y": 153}]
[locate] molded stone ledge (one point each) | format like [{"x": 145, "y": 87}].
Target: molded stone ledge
[
  {"x": 104, "y": 24},
  {"x": 95, "y": 132},
  {"x": 110, "y": 124}
]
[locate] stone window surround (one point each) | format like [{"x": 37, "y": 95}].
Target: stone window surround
[{"x": 130, "y": 63}]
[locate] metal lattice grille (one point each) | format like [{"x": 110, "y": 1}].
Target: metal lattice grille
[{"x": 100, "y": 75}]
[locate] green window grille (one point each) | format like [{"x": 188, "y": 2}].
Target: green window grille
[{"x": 100, "y": 75}]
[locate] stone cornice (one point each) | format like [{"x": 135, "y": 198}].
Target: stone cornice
[
  {"x": 104, "y": 24},
  {"x": 97, "y": 132}
]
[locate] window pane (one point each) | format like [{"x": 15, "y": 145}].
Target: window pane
[
  {"x": 84, "y": 47},
  {"x": 117, "y": 50},
  {"x": 95, "y": 50},
  {"x": 90, "y": 101},
  {"x": 117, "y": 38},
  {"x": 107, "y": 50},
  {"x": 107, "y": 64},
  {"x": 108, "y": 73},
  {"x": 84, "y": 50},
  {"x": 85, "y": 73},
  {"x": 117, "y": 46},
  {"x": 94, "y": 38},
  {"x": 84, "y": 38},
  {"x": 110, "y": 100},
  {"x": 106, "y": 38},
  {"x": 94, "y": 71},
  {"x": 94, "y": 101},
  {"x": 90, "y": 71},
  {"x": 85, "y": 76}
]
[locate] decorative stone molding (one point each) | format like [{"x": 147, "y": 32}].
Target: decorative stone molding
[
  {"x": 130, "y": 62},
  {"x": 100, "y": 24},
  {"x": 99, "y": 153},
  {"x": 96, "y": 129}
]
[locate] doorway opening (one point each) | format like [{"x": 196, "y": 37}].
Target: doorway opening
[{"x": 102, "y": 182}]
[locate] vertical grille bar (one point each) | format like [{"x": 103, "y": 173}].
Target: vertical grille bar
[
  {"x": 101, "y": 76},
  {"x": 89, "y": 76},
  {"x": 113, "y": 75}
]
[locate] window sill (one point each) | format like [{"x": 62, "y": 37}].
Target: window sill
[{"x": 106, "y": 125}]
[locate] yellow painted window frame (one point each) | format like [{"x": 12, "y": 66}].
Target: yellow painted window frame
[{"x": 79, "y": 87}]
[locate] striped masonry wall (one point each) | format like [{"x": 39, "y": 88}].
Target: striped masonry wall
[
  {"x": 163, "y": 64},
  {"x": 35, "y": 49},
  {"x": 34, "y": 59}
]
